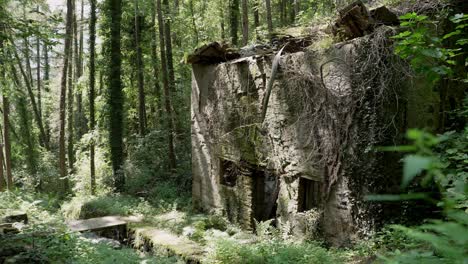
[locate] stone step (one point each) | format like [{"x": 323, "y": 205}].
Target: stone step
[
  {"x": 174, "y": 245},
  {"x": 113, "y": 227}
]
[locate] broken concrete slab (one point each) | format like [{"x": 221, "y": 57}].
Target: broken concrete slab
[
  {"x": 113, "y": 227},
  {"x": 16, "y": 217}
]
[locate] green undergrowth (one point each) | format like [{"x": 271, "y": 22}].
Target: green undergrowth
[
  {"x": 163, "y": 198},
  {"x": 47, "y": 240},
  {"x": 273, "y": 251}
]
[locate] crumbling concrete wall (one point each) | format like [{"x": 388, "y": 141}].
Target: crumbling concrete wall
[{"x": 328, "y": 111}]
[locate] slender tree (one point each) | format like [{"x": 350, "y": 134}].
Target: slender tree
[
  {"x": 6, "y": 139},
  {"x": 38, "y": 75},
  {"x": 167, "y": 97},
  {"x": 2, "y": 75},
  {"x": 256, "y": 15},
  {"x": 2, "y": 178},
  {"x": 27, "y": 58},
  {"x": 6, "y": 121},
  {"x": 245, "y": 22},
  {"x": 282, "y": 12},
  {"x": 73, "y": 75},
  {"x": 221, "y": 11},
  {"x": 194, "y": 24},
  {"x": 297, "y": 6},
  {"x": 80, "y": 120},
  {"x": 27, "y": 81},
  {"x": 46, "y": 65},
  {"x": 45, "y": 84},
  {"x": 116, "y": 95},
  {"x": 154, "y": 62},
  {"x": 269, "y": 17},
  {"x": 168, "y": 42},
  {"x": 234, "y": 20},
  {"x": 92, "y": 83},
  {"x": 63, "y": 94},
  {"x": 70, "y": 109},
  {"x": 140, "y": 74}
]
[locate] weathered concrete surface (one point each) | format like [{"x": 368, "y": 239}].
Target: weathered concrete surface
[
  {"x": 328, "y": 111},
  {"x": 96, "y": 223},
  {"x": 114, "y": 227},
  {"x": 165, "y": 241}
]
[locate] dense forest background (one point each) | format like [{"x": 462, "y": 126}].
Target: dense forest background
[
  {"x": 125, "y": 91},
  {"x": 95, "y": 111}
]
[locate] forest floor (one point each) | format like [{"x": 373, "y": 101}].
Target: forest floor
[{"x": 164, "y": 233}]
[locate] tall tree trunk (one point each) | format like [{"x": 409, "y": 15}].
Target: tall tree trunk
[
  {"x": 223, "y": 30},
  {"x": 282, "y": 11},
  {"x": 297, "y": 8},
  {"x": 70, "y": 107},
  {"x": 46, "y": 66},
  {"x": 43, "y": 136},
  {"x": 154, "y": 62},
  {"x": 234, "y": 20},
  {"x": 72, "y": 78},
  {"x": 92, "y": 82},
  {"x": 194, "y": 24},
  {"x": 292, "y": 11},
  {"x": 38, "y": 76},
  {"x": 27, "y": 58},
  {"x": 63, "y": 95},
  {"x": 28, "y": 140},
  {"x": 45, "y": 83},
  {"x": 140, "y": 75},
  {"x": 25, "y": 129},
  {"x": 80, "y": 116},
  {"x": 167, "y": 97},
  {"x": 5, "y": 121},
  {"x": 116, "y": 99},
  {"x": 2, "y": 178},
  {"x": 168, "y": 42},
  {"x": 245, "y": 23},
  {"x": 81, "y": 48},
  {"x": 256, "y": 14},
  {"x": 269, "y": 18},
  {"x": 6, "y": 140}
]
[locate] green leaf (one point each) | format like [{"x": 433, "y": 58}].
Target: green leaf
[
  {"x": 414, "y": 134},
  {"x": 414, "y": 165},
  {"x": 433, "y": 53},
  {"x": 451, "y": 34},
  {"x": 407, "y": 16},
  {"x": 402, "y": 35}
]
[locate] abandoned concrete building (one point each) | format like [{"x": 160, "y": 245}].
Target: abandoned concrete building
[{"x": 312, "y": 159}]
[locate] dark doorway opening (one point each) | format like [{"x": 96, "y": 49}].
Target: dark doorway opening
[
  {"x": 309, "y": 194},
  {"x": 228, "y": 173},
  {"x": 264, "y": 194}
]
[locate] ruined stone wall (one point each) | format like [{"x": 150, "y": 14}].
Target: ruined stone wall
[{"x": 327, "y": 112}]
